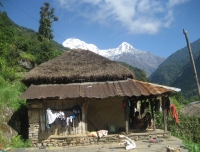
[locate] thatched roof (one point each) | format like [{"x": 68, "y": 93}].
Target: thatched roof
[{"x": 77, "y": 66}]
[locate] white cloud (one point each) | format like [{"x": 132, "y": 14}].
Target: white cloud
[
  {"x": 172, "y": 3},
  {"x": 137, "y": 16}
]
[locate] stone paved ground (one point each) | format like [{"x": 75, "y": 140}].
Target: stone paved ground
[{"x": 141, "y": 146}]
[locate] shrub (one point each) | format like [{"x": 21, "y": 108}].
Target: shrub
[{"x": 18, "y": 142}]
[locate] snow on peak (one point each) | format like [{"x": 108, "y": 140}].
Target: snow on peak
[
  {"x": 109, "y": 53},
  {"x": 126, "y": 46},
  {"x": 73, "y": 43}
]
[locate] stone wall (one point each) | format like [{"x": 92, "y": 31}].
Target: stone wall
[
  {"x": 33, "y": 131},
  {"x": 86, "y": 141}
]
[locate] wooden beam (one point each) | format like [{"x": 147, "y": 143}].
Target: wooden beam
[
  {"x": 164, "y": 109},
  {"x": 83, "y": 123},
  {"x": 42, "y": 119},
  {"x": 152, "y": 114},
  {"x": 126, "y": 122}
]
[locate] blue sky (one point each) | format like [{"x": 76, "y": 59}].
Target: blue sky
[{"x": 149, "y": 25}]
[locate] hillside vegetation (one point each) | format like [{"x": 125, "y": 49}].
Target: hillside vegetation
[
  {"x": 177, "y": 70},
  {"x": 19, "y": 52},
  {"x": 138, "y": 73}
]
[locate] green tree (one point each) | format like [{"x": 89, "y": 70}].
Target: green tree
[{"x": 47, "y": 17}]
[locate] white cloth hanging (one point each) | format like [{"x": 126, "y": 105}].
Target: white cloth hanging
[{"x": 51, "y": 117}]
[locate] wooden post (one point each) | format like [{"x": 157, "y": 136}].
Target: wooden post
[
  {"x": 86, "y": 124},
  {"x": 42, "y": 119},
  {"x": 165, "y": 120},
  {"x": 152, "y": 114},
  {"x": 83, "y": 120},
  {"x": 126, "y": 122},
  {"x": 164, "y": 109}
]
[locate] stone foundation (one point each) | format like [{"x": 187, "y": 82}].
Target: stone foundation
[
  {"x": 33, "y": 132},
  {"x": 84, "y": 140}
]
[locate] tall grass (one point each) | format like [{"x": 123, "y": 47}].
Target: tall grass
[{"x": 10, "y": 94}]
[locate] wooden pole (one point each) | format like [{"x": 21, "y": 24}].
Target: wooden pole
[
  {"x": 152, "y": 113},
  {"x": 164, "y": 109},
  {"x": 192, "y": 61},
  {"x": 83, "y": 122},
  {"x": 127, "y": 122}
]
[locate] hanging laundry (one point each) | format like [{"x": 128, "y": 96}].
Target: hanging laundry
[
  {"x": 78, "y": 112},
  {"x": 67, "y": 121},
  {"x": 50, "y": 116},
  {"x": 47, "y": 122},
  {"x": 174, "y": 113},
  {"x": 61, "y": 115},
  {"x": 63, "y": 123}
]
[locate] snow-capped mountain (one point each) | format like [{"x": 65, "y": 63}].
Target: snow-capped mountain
[
  {"x": 76, "y": 43},
  {"x": 124, "y": 53}
]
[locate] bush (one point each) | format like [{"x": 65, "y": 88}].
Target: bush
[
  {"x": 191, "y": 146},
  {"x": 18, "y": 142},
  {"x": 188, "y": 129}
]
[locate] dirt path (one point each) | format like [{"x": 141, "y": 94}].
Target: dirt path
[{"x": 141, "y": 146}]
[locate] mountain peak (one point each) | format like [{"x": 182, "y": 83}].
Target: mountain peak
[
  {"x": 124, "y": 47},
  {"x": 74, "y": 43},
  {"x": 125, "y": 53},
  {"x": 125, "y": 43}
]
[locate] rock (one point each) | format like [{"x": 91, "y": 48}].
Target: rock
[
  {"x": 39, "y": 144},
  {"x": 44, "y": 144},
  {"x": 10, "y": 123},
  {"x": 26, "y": 64}
]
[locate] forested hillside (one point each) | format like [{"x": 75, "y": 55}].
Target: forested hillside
[
  {"x": 171, "y": 71},
  {"x": 186, "y": 80},
  {"x": 20, "y": 51},
  {"x": 138, "y": 73}
]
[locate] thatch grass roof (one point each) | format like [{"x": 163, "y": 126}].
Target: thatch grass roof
[{"x": 77, "y": 66}]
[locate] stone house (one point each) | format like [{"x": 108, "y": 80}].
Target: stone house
[{"x": 81, "y": 78}]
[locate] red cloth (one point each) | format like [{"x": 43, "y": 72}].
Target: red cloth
[{"x": 174, "y": 112}]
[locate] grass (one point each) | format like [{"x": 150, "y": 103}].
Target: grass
[
  {"x": 28, "y": 57},
  {"x": 10, "y": 94},
  {"x": 191, "y": 146}
]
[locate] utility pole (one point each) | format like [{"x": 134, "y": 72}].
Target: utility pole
[{"x": 192, "y": 60}]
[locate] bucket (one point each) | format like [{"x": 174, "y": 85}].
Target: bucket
[{"x": 111, "y": 128}]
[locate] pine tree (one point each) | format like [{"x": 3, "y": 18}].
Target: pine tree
[{"x": 47, "y": 17}]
